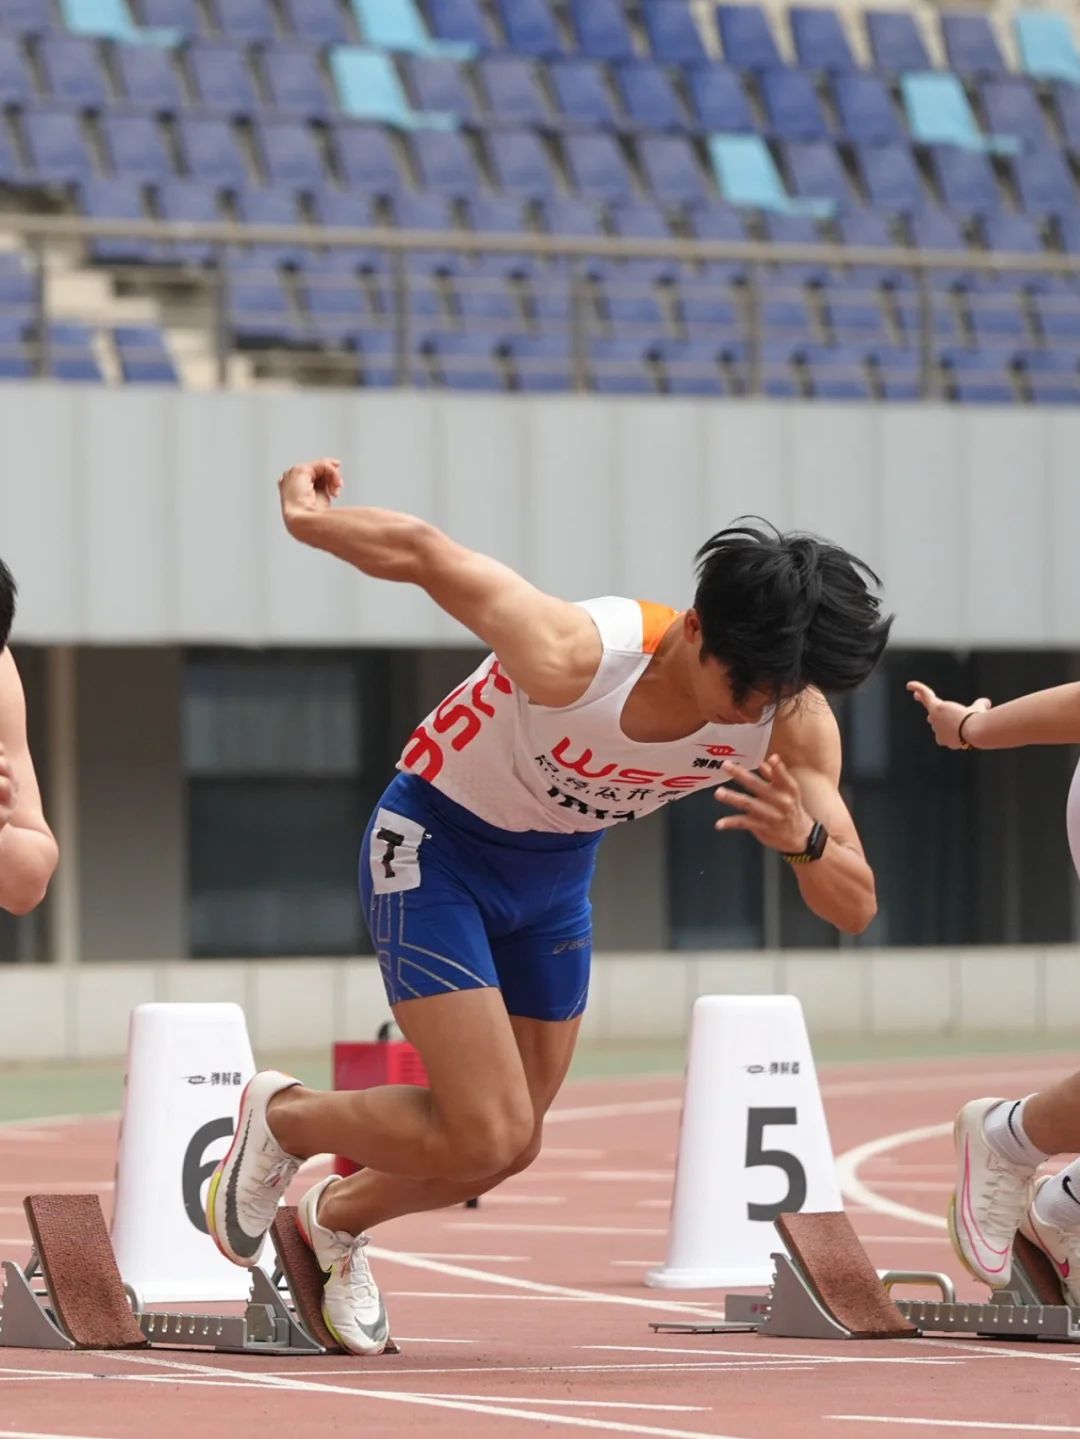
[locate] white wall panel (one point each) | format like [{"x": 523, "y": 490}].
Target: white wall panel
[
  {"x": 1062, "y": 537},
  {"x": 657, "y": 502},
  {"x": 572, "y": 495}
]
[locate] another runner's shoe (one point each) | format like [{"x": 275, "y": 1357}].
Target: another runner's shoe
[
  {"x": 990, "y": 1200},
  {"x": 352, "y": 1305},
  {"x": 1060, "y": 1246},
  {"x": 250, "y": 1182}
]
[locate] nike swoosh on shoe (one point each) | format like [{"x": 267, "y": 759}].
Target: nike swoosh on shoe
[
  {"x": 380, "y": 1329},
  {"x": 240, "y": 1241},
  {"x": 974, "y": 1232}
]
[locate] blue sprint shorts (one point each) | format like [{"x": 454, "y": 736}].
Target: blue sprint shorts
[{"x": 452, "y": 903}]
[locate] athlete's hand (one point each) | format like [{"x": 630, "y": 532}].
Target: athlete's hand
[
  {"x": 772, "y": 811},
  {"x": 946, "y": 716},
  {"x": 309, "y": 489},
  {"x": 9, "y": 789}
]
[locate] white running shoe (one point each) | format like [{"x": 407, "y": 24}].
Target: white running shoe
[
  {"x": 990, "y": 1199},
  {"x": 1061, "y": 1246},
  {"x": 250, "y": 1182},
  {"x": 352, "y": 1306}
]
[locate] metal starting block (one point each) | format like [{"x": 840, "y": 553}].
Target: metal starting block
[
  {"x": 71, "y": 1295},
  {"x": 826, "y": 1288}
]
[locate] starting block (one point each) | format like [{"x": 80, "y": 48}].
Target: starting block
[
  {"x": 825, "y": 1287},
  {"x": 71, "y": 1295}
]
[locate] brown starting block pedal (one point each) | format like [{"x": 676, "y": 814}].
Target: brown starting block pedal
[{"x": 837, "y": 1269}]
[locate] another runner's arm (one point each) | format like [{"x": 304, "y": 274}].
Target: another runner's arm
[
  {"x": 796, "y": 786},
  {"x": 1045, "y": 717},
  {"x": 549, "y": 647},
  {"x": 28, "y": 852}
]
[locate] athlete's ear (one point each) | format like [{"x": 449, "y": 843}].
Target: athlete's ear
[{"x": 692, "y": 627}]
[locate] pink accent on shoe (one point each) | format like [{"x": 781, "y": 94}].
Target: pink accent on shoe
[{"x": 974, "y": 1233}]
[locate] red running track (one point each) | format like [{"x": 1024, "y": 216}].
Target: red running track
[{"x": 530, "y": 1314}]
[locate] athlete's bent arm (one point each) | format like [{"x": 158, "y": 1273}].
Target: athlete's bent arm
[
  {"x": 548, "y": 647},
  {"x": 28, "y": 852},
  {"x": 798, "y": 786},
  {"x": 1045, "y": 717}
]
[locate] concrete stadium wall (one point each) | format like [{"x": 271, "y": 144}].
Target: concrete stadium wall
[
  {"x": 151, "y": 517},
  {"x": 51, "y": 1014}
]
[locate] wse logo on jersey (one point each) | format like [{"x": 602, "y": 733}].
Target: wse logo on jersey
[{"x": 395, "y": 857}]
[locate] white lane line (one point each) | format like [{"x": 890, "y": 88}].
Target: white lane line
[
  {"x": 509, "y": 1228},
  {"x": 531, "y": 1286},
  {"x": 422, "y": 1400},
  {"x": 474, "y": 1258},
  {"x": 998, "y": 1350},
  {"x": 490, "y": 1298},
  {"x": 853, "y": 1187},
  {"x": 982, "y": 1426},
  {"x": 958, "y": 1079},
  {"x": 580, "y": 1403},
  {"x": 914, "y": 1186},
  {"x": 600, "y": 1176},
  {"x": 756, "y": 1358},
  {"x": 29, "y": 1434},
  {"x": 30, "y": 1136},
  {"x": 550, "y": 1151},
  {"x": 635, "y": 1263},
  {"x": 614, "y": 1111},
  {"x": 865, "y": 1239},
  {"x": 712, "y": 1366},
  {"x": 50, "y": 1186}
]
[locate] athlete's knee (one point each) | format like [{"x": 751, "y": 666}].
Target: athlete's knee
[
  {"x": 491, "y": 1138},
  {"x": 530, "y": 1153}
]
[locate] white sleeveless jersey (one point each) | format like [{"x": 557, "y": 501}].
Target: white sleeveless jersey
[{"x": 526, "y": 767}]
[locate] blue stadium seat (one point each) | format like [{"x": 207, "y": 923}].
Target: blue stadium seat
[
  {"x": 854, "y": 312},
  {"x": 57, "y": 147},
  {"x": 643, "y": 220},
  {"x": 445, "y": 163},
  {"x": 143, "y": 355},
  {"x": 520, "y": 164},
  {"x": 368, "y": 159},
  {"x": 995, "y": 313},
  {"x": 649, "y": 97},
  {"x": 295, "y": 83},
  {"x": 1045, "y": 183},
  {"x": 966, "y": 180},
  {"x": 720, "y": 100},
  {"x": 939, "y": 113},
  {"x": 979, "y": 377},
  {"x": 783, "y": 310},
  {"x": 777, "y": 375},
  {"x": 793, "y": 230},
  {"x": 148, "y": 75},
  {"x": 73, "y": 71},
  {"x": 26, "y": 17},
  {"x": 16, "y": 84},
  {"x": 895, "y": 41},
  {"x": 748, "y": 40},
  {"x": 485, "y": 300},
  {"x": 461, "y": 22},
  {"x": 336, "y": 303},
  {"x": 223, "y": 81},
  {"x": 746, "y": 173},
  {"x": 792, "y": 105},
  {"x": 1067, "y": 104},
  {"x": 1057, "y": 311},
  {"x": 249, "y": 20},
  {"x": 632, "y": 310},
  {"x": 320, "y": 22},
  {"x": 368, "y": 86},
  {"x": 71, "y": 353},
  {"x": 601, "y": 29},
  {"x": 14, "y": 358},
  {"x": 817, "y": 172},
  {"x": 572, "y": 217},
  {"x": 182, "y": 15},
  {"x": 467, "y": 361},
  {"x": 708, "y": 312},
  {"x": 838, "y": 372},
  {"x": 821, "y": 41},
  {"x": 18, "y": 288},
  {"x": 117, "y": 200},
  {"x": 1047, "y": 45},
  {"x": 211, "y": 151},
  {"x": 259, "y": 308},
  {"x": 970, "y": 45},
  {"x": 937, "y": 230},
  {"x": 582, "y": 94},
  {"x": 551, "y": 300},
  {"x": 866, "y": 109},
  {"x": 620, "y": 366},
  {"x": 377, "y": 351},
  {"x": 865, "y": 229},
  {"x": 943, "y": 317},
  {"x": 439, "y": 85},
  {"x": 597, "y": 167},
  {"x": 197, "y": 203},
  {"x": 542, "y": 363},
  {"x": 1012, "y": 107},
  {"x": 671, "y": 169},
  {"x": 270, "y": 206},
  {"x": 531, "y": 29},
  {"x": 692, "y": 367},
  {"x": 497, "y": 215},
  {"x": 512, "y": 90},
  {"x": 291, "y": 155},
  {"x": 136, "y": 146},
  {"x": 428, "y": 212},
  {"x": 1068, "y": 230},
  {"x": 718, "y": 222},
  {"x": 343, "y": 209},
  {"x": 1012, "y": 234},
  {"x": 898, "y": 372},
  {"x": 1052, "y": 375},
  {"x": 892, "y": 178},
  {"x": 673, "y": 35}
]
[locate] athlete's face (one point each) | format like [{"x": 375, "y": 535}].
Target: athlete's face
[{"x": 712, "y": 685}]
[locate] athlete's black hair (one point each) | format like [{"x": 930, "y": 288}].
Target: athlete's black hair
[
  {"x": 7, "y": 604},
  {"x": 783, "y": 612}
]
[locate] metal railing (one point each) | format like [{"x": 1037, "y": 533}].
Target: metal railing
[{"x": 532, "y": 311}]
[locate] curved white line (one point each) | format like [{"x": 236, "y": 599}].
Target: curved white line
[{"x": 853, "y": 1188}]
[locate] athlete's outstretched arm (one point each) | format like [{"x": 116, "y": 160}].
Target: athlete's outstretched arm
[
  {"x": 28, "y": 851},
  {"x": 1045, "y": 717},
  {"x": 550, "y": 648},
  {"x": 797, "y": 786}
]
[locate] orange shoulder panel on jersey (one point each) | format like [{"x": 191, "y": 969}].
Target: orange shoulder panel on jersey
[{"x": 655, "y": 623}]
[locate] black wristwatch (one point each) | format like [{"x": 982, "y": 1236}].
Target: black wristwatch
[{"x": 815, "y": 846}]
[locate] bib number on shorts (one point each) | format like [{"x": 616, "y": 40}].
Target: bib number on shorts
[{"x": 395, "y": 853}]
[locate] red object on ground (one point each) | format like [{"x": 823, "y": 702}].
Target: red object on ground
[{"x": 363, "y": 1066}]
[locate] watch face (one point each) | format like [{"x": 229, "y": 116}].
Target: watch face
[{"x": 818, "y": 838}]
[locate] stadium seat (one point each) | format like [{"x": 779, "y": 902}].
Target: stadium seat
[
  {"x": 319, "y": 22},
  {"x": 782, "y": 310},
  {"x": 485, "y": 301},
  {"x": 433, "y": 213},
  {"x": 643, "y": 220},
  {"x": 270, "y": 206},
  {"x": 446, "y": 164},
  {"x": 259, "y": 308},
  {"x": 521, "y": 164},
  {"x": 439, "y": 85},
  {"x": 497, "y": 215},
  {"x": 15, "y": 363},
  {"x": 18, "y": 288},
  {"x": 708, "y": 312},
  {"x": 746, "y": 173},
  {"x": 979, "y": 377},
  {"x": 295, "y": 83},
  {"x": 673, "y": 35},
  {"x": 619, "y": 366},
  {"x": 597, "y": 167},
  {"x": 368, "y": 86},
  {"x": 898, "y": 370},
  {"x": 399, "y": 26},
  {"x": 821, "y": 41},
  {"x": 784, "y": 229},
  {"x": 73, "y": 72},
  {"x": 1052, "y": 375},
  {"x": 101, "y": 199},
  {"x": 865, "y": 229},
  {"x": 71, "y": 354},
  {"x": 196, "y": 202},
  {"x": 748, "y": 40},
  {"x": 1057, "y": 312},
  {"x": 143, "y": 355},
  {"x": 691, "y": 367},
  {"x": 1012, "y": 234},
  {"x": 530, "y": 28},
  {"x": 895, "y": 42},
  {"x": 460, "y": 22},
  {"x": 1045, "y": 183},
  {"x": 970, "y": 45},
  {"x": 671, "y": 169},
  {"x": 512, "y": 91},
  {"x": 891, "y": 178},
  {"x": 136, "y": 146},
  {"x": 582, "y": 94},
  {"x": 853, "y": 309},
  {"x": 150, "y": 79},
  {"x": 541, "y": 362},
  {"x": 722, "y": 223},
  {"x": 838, "y": 372},
  {"x": 27, "y": 17},
  {"x": 632, "y": 310},
  {"x": 1067, "y": 105},
  {"x": 247, "y": 20},
  {"x": 944, "y": 319},
  {"x": 866, "y": 109},
  {"x": 467, "y": 361},
  {"x": 777, "y": 378},
  {"x": 335, "y": 301},
  {"x": 211, "y": 152},
  {"x": 966, "y": 180},
  {"x": 291, "y": 155},
  {"x": 995, "y": 312},
  {"x": 792, "y": 106},
  {"x": 551, "y": 298},
  {"x": 937, "y": 230},
  {"x": 817, "y": 172},
  {"x": 1047, "y": 45},
  {"x": 223, "y": 82},
  {"x": 368, "y": 159},
  {"x": 601, "y": 29},
  {"x": 572, "y": 217},
  {"x": 181, "y": 15},
  {"x": 57, "y": 147},
  {"x": 16, "y": 84},
  {"x": 720, "y": 100},
  {"x": 939, "y": 114},
  {"x": 649, "y": 97},
  {"x": 1012, "y": 108}
]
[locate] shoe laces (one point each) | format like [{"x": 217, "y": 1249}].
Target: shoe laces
[
  {"x": 355, "y": 1270},
  {"x": 265, "y": 1197},
  {"x": 1005, "y": 1193}
]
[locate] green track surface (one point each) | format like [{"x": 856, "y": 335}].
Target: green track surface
[{"x": 38, "y": 1091}]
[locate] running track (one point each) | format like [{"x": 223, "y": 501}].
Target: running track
[{"x": 529, "y": 1314}]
